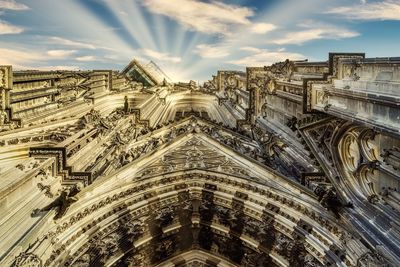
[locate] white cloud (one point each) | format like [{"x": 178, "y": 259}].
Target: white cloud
[
  {"x": 263, "y": 57},
  {"x": 57, "y": 67},
  {"x": 86, "y": 58},
  {"x": 6, "y": 28},
  {"x": 314, "y": 31},
  {"x": 12, "y": 5},
  {"x": 60, "y": 53},
  {"x": 250, "y": 49},
  {"x": 18, "y": 57},
  {"x": 383, "y": 10},
  {"x": 67, "y": 42},
  {"x": 211, "y": 51},
  {"x": 28, "y": 60},
  {"x": 160, "y": 56},
  {"x": 262, "y": 28},
  {"x": 114, "y": 57},
  {"x": 207, "y": 17}
]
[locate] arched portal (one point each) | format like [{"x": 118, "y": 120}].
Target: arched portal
[{"x": 195, "y": 196}]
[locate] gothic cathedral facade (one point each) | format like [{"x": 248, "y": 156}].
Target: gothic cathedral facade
[{"x": 293, "y": 164}]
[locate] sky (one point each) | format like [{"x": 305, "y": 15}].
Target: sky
[{"x": 191, "y": 39}]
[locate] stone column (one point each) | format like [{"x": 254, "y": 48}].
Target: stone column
[{"x": 5, "y": 87}]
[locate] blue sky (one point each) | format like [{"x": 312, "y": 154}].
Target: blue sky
[{"x": 192, "y": 39}]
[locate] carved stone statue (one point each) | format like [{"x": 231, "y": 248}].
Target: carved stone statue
[
  {"x": 126, "y": 105},
  {"x": 61, "y": 203},
  {"x": 329, "y": 199},
  {"x": 3, "y": 117},
  {"x": 165, "y": 216}
]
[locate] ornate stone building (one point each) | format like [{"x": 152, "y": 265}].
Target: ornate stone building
[{"x": 294, "y": 164}]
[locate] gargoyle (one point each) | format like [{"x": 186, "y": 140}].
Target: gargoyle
[
  {"x": 61, "y": 203},
  {"x": 329, "y": 200}
]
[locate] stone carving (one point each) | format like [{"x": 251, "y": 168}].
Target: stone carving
[
  {"x": 83, "y": 261},
  {"x": 328, "y": 198},
  {"x": 310, "y": 261},
  {"x": 293, "y": 250},
  {"x": 352, "y": 71},
  {"x": 126, "y": 105},
  {"x": 372, "y": 259},
  {"x": 137, "y": 260},
  {"x": 251, "y": 259},
  {"x": 3, "y": 117},
  {"x": 193, "y": 154},
  {"x": 165, "y": 216},
  {"x": 208, "y": 87},
  {"x": 322, "y": 98},
  {"x": 296, "y": 253},
  {"x": 292, "y": 123},
  {"x": 392, "y": 157},
  {"x": 20, "y": 167},
  {"x": 3, "y": 77},
  {"x": 100, "y": 249},
  {"x": 27, "y": 260},
  {"x": 283, "y": 70},
  {"x": 61, "y": 203},
  {"x": 322, "y": 136},
  {"x": 45, "y": 189},
  {"x": 134, "y": 228},
  {"x": 271, "y": 86},
  {"x": 224, "y": 215},
  {"x": 107, "y": 246},
  {"x": 281, "y": 244},
  {"x": 163, "y": 249},
  {"x": 92, "y": 117}
]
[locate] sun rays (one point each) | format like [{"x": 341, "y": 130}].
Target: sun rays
[{"x": 189, "y": 39}]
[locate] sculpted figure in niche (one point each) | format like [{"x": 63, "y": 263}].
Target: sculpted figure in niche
[
  {"x": 165, "y": 217},
  {"x": 224, "y": 215},
  {"x": 3, "y": 117},
  {"x": 281, "y": 244},
  {"x": 138, "y": 260},
  {"x": 108, "y": 245},
  {"x": 134, "y": 229},
  {"x": 164, "y": 249}
]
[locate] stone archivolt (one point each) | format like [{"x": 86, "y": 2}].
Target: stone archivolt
[{"x": 256, "y": 168}]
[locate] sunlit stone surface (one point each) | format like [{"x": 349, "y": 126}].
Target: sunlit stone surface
[{"x": 293, "y": 164}]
